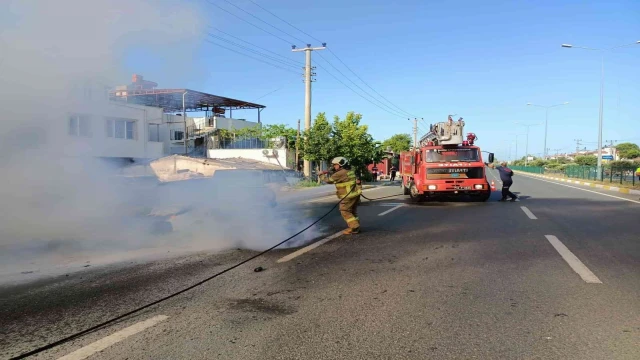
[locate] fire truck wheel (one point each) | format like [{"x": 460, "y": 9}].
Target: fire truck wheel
[
  {"x": 405, "y": 189},
  {"x": 415, "y": 195},
  {"x": 484, "y": 197}
]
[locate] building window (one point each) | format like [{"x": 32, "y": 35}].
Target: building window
[
  {"x": 176, "y": 135},
  {"x": 80, "y": 125},
  {"x": 121, "y": 128}
]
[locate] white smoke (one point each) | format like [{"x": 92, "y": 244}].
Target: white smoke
[{"x": 52, "y": 198}]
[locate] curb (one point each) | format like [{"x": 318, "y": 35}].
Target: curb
[{"x": 598, "y": 186}]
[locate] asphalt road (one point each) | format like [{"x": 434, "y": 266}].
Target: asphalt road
[{"x": 557, "y": 279}]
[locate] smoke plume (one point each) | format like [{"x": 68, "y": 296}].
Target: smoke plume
[{"x": 55, "y": 201}]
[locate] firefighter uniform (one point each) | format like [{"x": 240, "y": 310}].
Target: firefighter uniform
[{"x": 348, "y": 190}]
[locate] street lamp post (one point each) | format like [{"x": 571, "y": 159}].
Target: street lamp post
[
  {"x": 526, "y": 156},
  {"x": 516, "y": 156},
  {"x": 546, "y": 122},
  {"x": 601, "y": 112}
]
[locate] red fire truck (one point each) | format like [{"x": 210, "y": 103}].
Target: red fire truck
[{"x": 445, "y": 164}]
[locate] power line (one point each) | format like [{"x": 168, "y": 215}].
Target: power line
[
  {"x": 401, "y": 111},
  {"x": 286, "y": 22},
  {"x": 255, "y": 51},
  {"x": 369, "y": 86},
  {"x": 357, "y": 93},
  {"x": 257, "y": 18},
  {"x": 174, "y": 294},
  {"x": 261, "y": 48},
  {"x": 248, "y": 22},
  {"x": 358, "y": 86},
  {"x": 255, "y": 58}
]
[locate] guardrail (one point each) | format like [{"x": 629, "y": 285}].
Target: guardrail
[{"x": 623, "y": 175}]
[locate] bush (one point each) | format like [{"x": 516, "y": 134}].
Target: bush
[
  {"x": 366, "y": 176},
  {"x": 307, "y": 184},
  {"x": 622, "y": 164}
]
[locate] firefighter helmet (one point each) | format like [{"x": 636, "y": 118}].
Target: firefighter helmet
[{"x": 339, "y": 161}]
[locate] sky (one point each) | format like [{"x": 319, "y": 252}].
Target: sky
[{"x": 481, "y": 60}]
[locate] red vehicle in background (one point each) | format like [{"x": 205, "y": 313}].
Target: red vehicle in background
[{"x": 445, "y": 164}]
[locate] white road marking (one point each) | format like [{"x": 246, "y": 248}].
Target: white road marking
[
  {"x": 390, "y": 210},
  {"x": 573, "y": 261},
  {"x": 591, "y": 191},
  {"x": 391, "y": 204},
  {"x": 529, "y": 213},
  {"x": 309, "y": 248},
  {"x": 104, "y": 343}
]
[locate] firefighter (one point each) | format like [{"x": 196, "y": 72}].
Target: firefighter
[{"x": 348, "y": 189}]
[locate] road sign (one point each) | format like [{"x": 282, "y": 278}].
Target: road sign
[{"x": 607, "y": 157}]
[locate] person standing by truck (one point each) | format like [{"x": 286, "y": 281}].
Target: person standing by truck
[
  {"x": 506, "y": 175},
  {"x": 393, "y": 171}
]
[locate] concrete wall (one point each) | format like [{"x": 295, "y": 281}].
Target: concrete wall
[
  {"x": 230, "y": 124},
  {"x": 284, "y": 157}
]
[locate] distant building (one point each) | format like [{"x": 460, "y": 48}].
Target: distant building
[
  {"x": 199, "y": 133},
  {"x": 95, "y": 126}
]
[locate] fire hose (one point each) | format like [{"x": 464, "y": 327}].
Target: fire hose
[{"x": 134, "y": 311}]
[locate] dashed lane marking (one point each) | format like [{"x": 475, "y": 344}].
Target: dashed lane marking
[
  {"x": 390, "y": 210},
  {"x": 306, "y": 249},
  {"x": 573, "y": 261},
  {"x": 390, "y": 204},
  {"x": 529, "y": 213},
  {"x": 114, "y": 338}
]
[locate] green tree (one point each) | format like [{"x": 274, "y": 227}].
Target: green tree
[
  {"x": 398, "y": 143},
  {"x": 586, "y": 160},
  {"x": 250, "y": 132},
  {"x": 628, "y": 150},
  {"x": 538, "y": 162},
  {"x": 276, "y": 130},
  {"x": 622, "y": 164},
  {"x": 353, "y": 141},
  {"x": 562, "y": 160},
  {"x": 318, "y": 145}
]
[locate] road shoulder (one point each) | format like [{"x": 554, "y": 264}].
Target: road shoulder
[{"x": 608, "y": 190}]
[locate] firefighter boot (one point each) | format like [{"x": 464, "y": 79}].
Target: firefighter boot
[{"x": 351, "y": 231}]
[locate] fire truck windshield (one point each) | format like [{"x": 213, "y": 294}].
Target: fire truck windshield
[{"x": 453, "y": 155}]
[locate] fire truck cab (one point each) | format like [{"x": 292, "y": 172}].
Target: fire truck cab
[{"x": 445, "y": 164}]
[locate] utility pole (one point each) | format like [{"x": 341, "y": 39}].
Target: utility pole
[
  {"x": 184, "y": 117},
  {"x": 578, "y": 143},
  {"x": 307, "y": 94},
  {"x": 297, "y": 142},
  {"x": 613, "y": 150},
  {"x": 546, "y": 124},
  {"x": 415, "y": 134},
  {"x": 526, "y": 160}
]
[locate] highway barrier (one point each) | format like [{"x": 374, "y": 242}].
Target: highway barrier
[{"x": 623, "y": 174}]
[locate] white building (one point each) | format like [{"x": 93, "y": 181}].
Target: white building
[
  {"x": 196, "y": 132},
  {"x": 200, "y": 131},
  {"x": 96, "y": 126}
]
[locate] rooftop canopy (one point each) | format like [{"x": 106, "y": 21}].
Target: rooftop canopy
[{"x": 171, "y": 100}]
